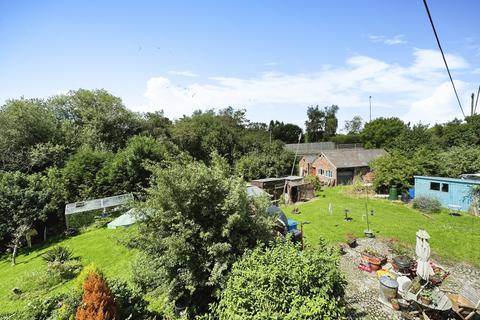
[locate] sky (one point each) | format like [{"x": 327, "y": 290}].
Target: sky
[{"x": 273, "y": 58}]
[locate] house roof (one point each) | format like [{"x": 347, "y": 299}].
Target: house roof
[
  {"x": 350, "y": 158},
  {"x": 310, "y": 158},
  {"x": 309, "y": 148}
]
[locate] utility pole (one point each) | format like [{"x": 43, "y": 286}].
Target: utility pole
[
  {"x": 370, "y": 100},
  {"x": 472, "y": 109}
]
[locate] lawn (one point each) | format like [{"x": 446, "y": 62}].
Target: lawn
[
  {"x": 99, "y": 246},
  {"x": 454, "y": 238}
]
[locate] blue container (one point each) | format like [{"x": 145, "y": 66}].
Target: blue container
[
  {"x": 411, "y": 193},
  {"x": 292, "y": 225}
]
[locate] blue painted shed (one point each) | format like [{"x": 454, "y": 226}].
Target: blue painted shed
[{"x": 449, "y": 191}]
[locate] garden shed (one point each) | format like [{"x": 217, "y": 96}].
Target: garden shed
[{"x": 449, "y": 191}]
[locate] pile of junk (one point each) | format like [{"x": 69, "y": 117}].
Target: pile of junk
[{"x": 413, "y": 286}]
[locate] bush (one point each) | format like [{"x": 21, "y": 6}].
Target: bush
[
  {"x": 427, "y": 205},
  {"x": 130, "y": 303},
  {"x": 280, "y": 283},
  {"x": 317, "y": 184},
  {"x": 58, "y": 307},
  {"x": 58, "y": 254},
  {"x": 64, "y": 271},
  {"x": 97, "y": 301}
]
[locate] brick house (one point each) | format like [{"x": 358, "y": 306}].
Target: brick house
[{"x": 340, "y": 166}]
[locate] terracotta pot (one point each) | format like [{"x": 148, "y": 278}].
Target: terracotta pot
[
  {"x": 374, "y": 267},
  {"x": 395, "y": 305}
]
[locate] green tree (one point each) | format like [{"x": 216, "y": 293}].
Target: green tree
[
  {"x": 199, "y": 221},
  {"x": 280, "y": 283},
  {"x": 271, "y": 161},
  {"x": 286, "y": 132},
  {"x": 459, "y": 160},
  {"x": 95, "y": 118},
  {"x": 321, "y": 125},
  {"x": 354, "y": 126},
  {"x": 381, "y": 132},
  {"x": 23, "y": 124},
  {"x": 156, "y": 125}
]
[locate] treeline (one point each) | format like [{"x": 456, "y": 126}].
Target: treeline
[{"x": 87, "y": 144}]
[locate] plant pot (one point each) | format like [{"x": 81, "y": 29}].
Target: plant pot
[
  {"x": 352, "y": 243},
  {"x": 425, "y": 300},
  {"x": 369, "y": 233},
  {"x": 395, "y": 305},
  {"x": 374, "y": 267}
]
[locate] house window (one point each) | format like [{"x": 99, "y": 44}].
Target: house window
[
  {"x": 444, "y": 187},
  {"x": 320, "y": 172},
  {"x": 435, "y": 186}
]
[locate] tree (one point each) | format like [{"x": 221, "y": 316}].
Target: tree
[
  {"x": 271, "y": 161},
  {"x": 199, "y": 221},
  {"x": 280, "y": 283},
  {"x": 381, "y": 132},
  {"x": 95, "y": 118},
  {"x": 321, "y": 124},
  {"x": 288, "y": 133},
  {"x": 459, "y": 160},
  {"x": 156, "y": 125},
  {"x": 23, "y": 124},
  {"x": 206, "y": 132},
  {"x": 413, "y": 138},
  {"x": 97, "y": 302},
  {"x": 354, "y": 126}
]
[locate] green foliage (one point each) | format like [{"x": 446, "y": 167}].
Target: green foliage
[
  {"x": 272, "y": 161},
  {"x": 381, "y": 132},
  {"x": 321, "y": 125},
  {"x": 427, "y": 205},
  {"x": 23, "y": 124},
  {"x": 346, "y": 138},
  {"x": 57, "y": 307},
  {"x": 281, "y": 283},
  {"x": 198, "y": 223},
  {"x": 130, "y": 303},
  {"x": 459, "y": 160},
  {"x": 354, "y": 126},
  {"x": 285, "y": 132},
  {"x": 58, "y": 254},
  {"x": 315, "y": 180},
  {"x": 84, "y": 274}
]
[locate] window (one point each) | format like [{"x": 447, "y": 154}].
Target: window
[
  {"x": 435, "y": 186},
  {"x": 444, "y": 187},
  {"x": 320, "y": 172}
]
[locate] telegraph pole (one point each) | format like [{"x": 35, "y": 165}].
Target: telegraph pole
[{"x": 370, "y": 100}]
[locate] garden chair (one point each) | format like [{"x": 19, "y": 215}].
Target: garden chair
[{"x": 466, "y": 304}]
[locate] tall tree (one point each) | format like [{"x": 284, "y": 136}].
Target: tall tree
[
  {"x": 286, "y": 132},
  {"x": 199, "y": 221},
  {"x": 321, "y": 124},
  {"x": 354, "y": 126},
  {"x": 381, "y": 132}
]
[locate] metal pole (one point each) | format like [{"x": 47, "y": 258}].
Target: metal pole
[
  {"x": 476, "y": 102},
  {"x": 472, "y": 109},
  {"x": 370, "y": 100}
]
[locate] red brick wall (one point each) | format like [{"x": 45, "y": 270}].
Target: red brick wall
[
  {"x": 305, "y": 168},
  {"x": 323, "y": 163}
]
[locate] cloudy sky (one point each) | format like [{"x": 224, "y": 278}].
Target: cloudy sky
[{"x": 273, "y": 58}]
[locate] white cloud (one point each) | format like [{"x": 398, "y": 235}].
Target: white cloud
[
  {"x": 416, "y": 92},
  {"x": 272, "y": 63},
  {"x": 184, "y": 73},
  {"x": 396, "y": 39}
]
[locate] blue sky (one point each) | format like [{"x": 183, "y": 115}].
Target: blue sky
[{"x": 274, "y": 58}]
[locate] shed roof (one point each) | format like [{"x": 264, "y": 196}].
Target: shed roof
[
  {"x": 350, "y": 158},
  {"x": 445, "y": 179}
]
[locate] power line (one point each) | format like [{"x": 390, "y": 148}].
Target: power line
[{"x": 443, "y": 55}]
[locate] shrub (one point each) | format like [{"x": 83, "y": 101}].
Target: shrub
[
  {"x": 97, "y": 301},
  {"x": 427, "y": 205},
  {"x": 317, "y": 184},
  {"x": 64, "y": 271},
  {"x": 280, "y": 283},
  {"x": 58, "y": 307},
  {"x": 130, "y": 303},
  {"x": 58, "y": 254}
]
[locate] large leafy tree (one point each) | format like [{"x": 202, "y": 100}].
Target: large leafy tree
[
  {"x": 286, "y": 132},
  {"x": 381, "y": 132},
  {"x": 271, "y": 161},
  {"x": 321, "y": 124},
  {"x": 354, "y": 126},
  {"x": 198, "y": 220},
  {"x": 24, "y": 123},
  {"x": 280, "y": 283},
  {"x": 207, "y": 132},
  {"x": 95, "y": 118}
]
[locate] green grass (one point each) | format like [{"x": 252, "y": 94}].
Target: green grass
[
  {"x": 453, "y": 238},
  {"x": 99, "y": 246}
]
